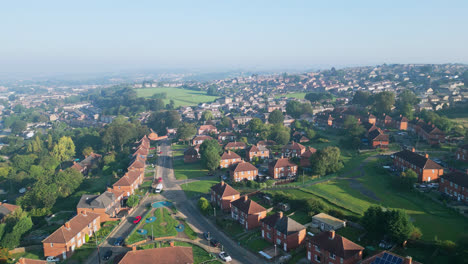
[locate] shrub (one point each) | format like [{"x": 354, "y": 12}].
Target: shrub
[
  {"x": 86, "y": 238},
  {"x": 416, "y": 234},
  {"x": 204, "y": 205}
]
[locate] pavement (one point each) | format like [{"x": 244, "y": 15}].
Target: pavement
[{"x": 173, "y": 191}]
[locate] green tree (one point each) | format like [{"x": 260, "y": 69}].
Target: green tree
[
  {"x": 161, "y": 120},
  {"x": 256, "y": 125},
  {"x": 133, "y": 200},
  {"x": 64, "y": 149},
  {"x": 280, "y": 134},
  {"x": 363, "y": 98},
  {"x": 210, "y": 152},
  {"x": 384, "y": 101},
  {"x": 408, "y": 179},
  {"x": 276, "y": 117},
  {"x": 18, "y": 126},
  {"x": 67, "y": 181},
  {"x": 87, "y": 151},
  {"x": 398, "y": 225},
  {"x": 109, "y": 158},
  {"x": 204, "y": 205},
  {"x": 326, "y": 161},
  {"x": 186, "y": 131},
  {"x": 226, "y": 122},
  {"x": 207, "y": 115},
  {"x": 406, "y": 102}
]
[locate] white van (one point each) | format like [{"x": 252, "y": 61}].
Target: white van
[{"x": 158, "y": 188}]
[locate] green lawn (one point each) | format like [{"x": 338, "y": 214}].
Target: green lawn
[
  {"x": 229, "y": 226},
  {"x": 185, "y": 171},
  {"x": 35, "y": 253},
  {"x": 178, "y": 150},
  {"x": 181, "y": 97},
  {"x": 164, "y": 226},
  {"x": 301, "y": 217},
  {"x": 350, "y": 233},
  {"x": 193, "y": 189},
  {"x": 254, "y": 241},
  {"x": 199, "y": 254}
]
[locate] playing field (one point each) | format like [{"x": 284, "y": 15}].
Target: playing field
[{"x": 181, "y": 97}]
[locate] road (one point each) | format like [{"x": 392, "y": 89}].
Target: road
[{"x": 173, "y": 191}]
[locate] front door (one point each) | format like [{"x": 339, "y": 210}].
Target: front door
[
  {"x": 322, "y": 226},
  {"x": 263, "y": 233},
  {"x": 285, "y": 247},
  {"x": 64, "y": 255}
]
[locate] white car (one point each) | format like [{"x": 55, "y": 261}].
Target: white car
[
  {"x": 52, "y": 259},
  {"x": 225, "y": 256},
  {"x": 158, "y": 188}
]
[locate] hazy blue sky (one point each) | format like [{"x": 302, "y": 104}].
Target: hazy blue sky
[{"x": 98, "y": 35}]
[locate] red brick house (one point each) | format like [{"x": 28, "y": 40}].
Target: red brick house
[
  {"x": 198, "y": 140},
  {"x": 426, "y": 169},
  {"x": 293, "y": 149},
  {"x": 31, "y": 261},
  {"x": 235, "y": 146},
  {"x": 455, "y": 184},
  {"x": 281, "y": 168},
  {"x": 372, "y": 119},
  {"x": 257, "y": 151},
  {"x": 141, "y": 151},
  {"x": 222, "y": 194},
  {"x": 137, "y": 164},
  {"x": 87, "y": 164},
  {"x": 107, "y": 205},
  {"x": 247, "y": 212},
  {"x": 283, "y": 231},
  {"x": 401, "y": 123},
  {"x": 207, "y": 129},
  {"x": 191, "y": 154},
  {"x": 229, "y": 158},
  {"x": 330, "y": 248},
  {"x": 462, "y": 153},
  {"x": 6, "y": 209},
  {"x": 266, "y": 143},
  {"x": 243, "y": 171},
  {"x": 305, "y": 158},
  {"x": 63, "y": 242},
  {"x": 129, "y": 182},
  {"x": 432, "y": 134},
  {"x": 377, "y": 139},
  {"x": 165, "y": 255}
]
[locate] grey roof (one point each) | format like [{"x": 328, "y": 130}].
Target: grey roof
[
  {"x": 285, "y": 225},
  {"x": 96, "y": 201}
]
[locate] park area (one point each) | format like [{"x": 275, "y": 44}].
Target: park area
[
  {"x": 184, "y": 171},
  {"x": 181, "y": 97},
  {"x": 200, "y": 255}
]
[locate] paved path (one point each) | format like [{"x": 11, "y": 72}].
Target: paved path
[{"x": 173, "y": 191}]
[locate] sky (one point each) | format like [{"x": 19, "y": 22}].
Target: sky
[{"x": 103, "y": 36}]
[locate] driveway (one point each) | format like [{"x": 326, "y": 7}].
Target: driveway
[{"x": 173, "y": 191}]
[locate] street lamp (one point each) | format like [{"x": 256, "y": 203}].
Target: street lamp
[
  {"x": 97, "y": 246},
  {"x": 275, "y": 252}
]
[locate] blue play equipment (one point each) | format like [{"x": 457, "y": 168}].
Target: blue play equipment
[
  {"x": 180, "y": 228},
  {"x": 151, "y": 219},
  {"x": 161, "y": 204},
  {"x": 142, "y": 231}
]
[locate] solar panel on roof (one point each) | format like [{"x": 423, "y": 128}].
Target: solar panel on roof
[
  {"x": 377, "y": 261},
  {"x": 399, "y": 261},
  {"x": 385, "y": 256}
]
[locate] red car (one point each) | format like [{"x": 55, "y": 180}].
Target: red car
[
  {"x": 160, "y": 152},
  {"x": 159, "y": 179},
  {"x": 137, "y": 220},
  {"x": 152, "y": 148}
]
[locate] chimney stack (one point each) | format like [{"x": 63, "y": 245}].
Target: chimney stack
[
  {"x": 246, "y": 198},
  {"x": 332, "y": 234},
  {"x": 426, "y": 155},
  {"x": 171, "y": 243},
  {"x": 83, "y": 212},
  {"x": 222, "y": 183},
  {"x": 408, "y": 260},
  {"x": 109, "y": 189},
  {"x": 67, "y": 225},
  {"x": 280, "y": 214},
  {"x": 413, "y": 150},
  {"x": 134, "y": 248}
]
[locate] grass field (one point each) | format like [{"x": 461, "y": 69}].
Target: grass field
[
  {"x": 164, "y": 226},
  {"x": 185, "y": 171},
  {"x": 181, "y": 97},
  {"x": 178, "y": 150},
  {"x": 197, "y": 188}
]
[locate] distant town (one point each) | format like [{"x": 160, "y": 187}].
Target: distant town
[{"x": 357, "y": 165}]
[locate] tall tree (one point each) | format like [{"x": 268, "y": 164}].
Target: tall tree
[
  {"x": 326, "y": 161},
  {"x": 207, "y": 115},
  {"x": 64, "y": 149},
  {"x": 276, "y": 117},
  {"x": 186, "y": 131},
  {"x": 363, "y": 98},
  {"x": 384, "y": 101}
]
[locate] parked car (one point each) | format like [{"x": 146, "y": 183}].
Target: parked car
[
  {"x": 152, "y": 148},
  {"x": 159, "y": 179},
  {"x": 225, "y": 256},
  {"x": 52, "y": 259},
  {"x": 206, "y": 235},
  {"x": 118, "y": 241},
  {"x": 158, "y": 188},
  {"x": 160, "y": 152},
  {"x": 107, "y": 255},
  {"x": 137, "y": 220},
  {"x": 150, "y": 155},
  {"x": 214, "y": 242}
]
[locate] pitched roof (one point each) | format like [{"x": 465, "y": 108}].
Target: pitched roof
[
  {"x": 166, "y": 255},
  {"x": 235, "y": 145},
  {"x": 266, "y": 143},
  {"x": 294, "y": 145},
  {"x": 77, "y": 224},
  {"x": 417, "y": 160},
  {"x": 224, "y": 189},
  {"x": 255, "y": 148},
  {"x": 6, "y": 209},
  {"x": 282, "y": 162},
  {"x": 129, "y": 178},
  {"x": 243, "y": 166},
  {"x": 284, "y": 224},
  {"x": 30, "y": 261},
  {"x": 191, "y": 151},
  {"x": 207, "y": 127},
  {"x": 431, "y": 129},
  {"x": 373, "y": 259},
  {"x": 98, "y": 201},
  {"x": 202, "y": 137},
  {"x": 457, "y": 177},
  {"x": 328, "y": 219},
  {"x": 378, "y": 135},
  {"x": 230, "y": 155},
  {"x": 247, "y": 206},
  {"x": 340, "y": 246}
]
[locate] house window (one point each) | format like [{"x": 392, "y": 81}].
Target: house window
[
  {"x": 317, "y": 248},
  {"x": 51, "y": 244},
  {"x": 278, "y": 233},
  {"x": 332, "y": 256},
  {"x": 317, "y": 258},
  {"x": 268, "y": 235}
]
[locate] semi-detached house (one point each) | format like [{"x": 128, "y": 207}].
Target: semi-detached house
[{"x": 247, "y": 212}]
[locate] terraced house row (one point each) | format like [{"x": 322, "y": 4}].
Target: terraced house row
[{"x": 92, "y": 210}]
